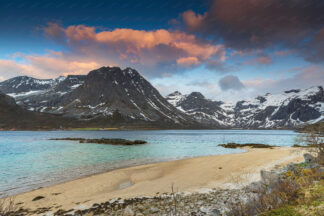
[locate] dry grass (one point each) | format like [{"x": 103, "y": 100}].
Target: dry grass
[{"x": 283, "y": 191}]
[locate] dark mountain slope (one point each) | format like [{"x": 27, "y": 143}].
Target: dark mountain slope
[
  {"x": 13, "y": 116},
  {"x": 109, "y": 90}
]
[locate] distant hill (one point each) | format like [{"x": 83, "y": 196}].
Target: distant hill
[
  {"x": 15, "y": 117},
  {"x": 313, "y": 128}
]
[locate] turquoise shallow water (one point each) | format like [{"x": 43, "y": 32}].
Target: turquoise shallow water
[{"x": 28, "y": 160}]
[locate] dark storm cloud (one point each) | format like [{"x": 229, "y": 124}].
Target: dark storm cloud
[
  {"x": 249, "y": 24},
  {"x": 314, "y": 50},
  {"x": 230, "y": 82}
]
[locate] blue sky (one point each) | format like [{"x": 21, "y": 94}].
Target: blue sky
[{"x": 177, "y": 45}]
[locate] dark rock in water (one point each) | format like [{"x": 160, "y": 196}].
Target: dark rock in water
[
  {"x": 105, "y": 141},
  {"x": 252, "y": 145}
]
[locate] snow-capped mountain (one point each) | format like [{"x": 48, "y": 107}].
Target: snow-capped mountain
[
  {"x": 24, "y": 84},
  {"x": 13, "y": 116},
  {"x": 288, "y": 109},
  {"x": 112, "y": 94},
  {"x": 110, "y": 89},
  {"x": 205, "y": 111},
  {"x": 33, "y": 94},
  {"x": 106, "y": 93}
]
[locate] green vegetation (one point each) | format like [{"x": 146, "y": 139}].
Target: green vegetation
[
  {"x": 252, "y": 145},
  {"x": 104, "y": 141},
  {"x": 298, "y": 191},
  {"x": 309, "y": 201},
  {"x": 284, "y": 211}
]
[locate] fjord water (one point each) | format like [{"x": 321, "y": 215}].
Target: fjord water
[{"x": 29, "y": 160}]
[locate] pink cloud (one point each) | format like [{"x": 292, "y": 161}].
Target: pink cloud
[
  {"x": 87, "y": 48},
  {"x": 10, "y": 68},
  {"x": 193, "y": 20},
  {"x": 136, "y": 46},
  {"x": 188, "y": 61},
  {"x": 47, "y": 66}
]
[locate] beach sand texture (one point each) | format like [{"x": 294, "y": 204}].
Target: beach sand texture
[{"x": 188, "y": 175}]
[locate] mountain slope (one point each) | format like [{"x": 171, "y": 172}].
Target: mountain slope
[
  {"x": 205, "y": 111},
  {"x": 288, "y": 109},
  {"x": 112, "y": 96},
  {"x": 13, "y": 116},
  {"x": 110, "y": 89},
  {"x": 25, "y": 84},
  {"x": 108, "y": 94},
  {"x": 34, "y": 94}
]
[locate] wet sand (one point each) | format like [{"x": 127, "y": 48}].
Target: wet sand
[{"x": 187, "y": 175}]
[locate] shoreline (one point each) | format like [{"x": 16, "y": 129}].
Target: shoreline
[
  {"x": 106, "y": 169},
  {"x": 197, "y": 174},
  {"x": 143, "y": 129}
]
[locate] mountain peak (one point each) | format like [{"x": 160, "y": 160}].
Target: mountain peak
[
  {"x": 292, "y": 91},
  {"x": 176, "y": 93},
  {"x": 175, "y": 97},
  {"x": 196, "y": 95},
  {"x": 110, "y": 72},
  {"x": 110, "y": 89}
]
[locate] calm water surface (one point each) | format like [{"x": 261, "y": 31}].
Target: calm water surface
[{"x": 28, "y": 160}]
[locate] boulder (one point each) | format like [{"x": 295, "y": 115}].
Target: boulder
[
  {"x": 128, "y": 211},
  {"x": 309, "y": 158},
  {"x": 269, "y": 177}
]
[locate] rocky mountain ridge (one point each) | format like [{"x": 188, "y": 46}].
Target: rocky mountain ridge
[
  {"x": 13, "y": 116},
  {"x": 106, "y": 93},
  {"x": 122, "y": 96},
  {"x": 284, "y": 110}
]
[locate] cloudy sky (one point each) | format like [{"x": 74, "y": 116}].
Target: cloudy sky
[{"x": 226, "y": 49}]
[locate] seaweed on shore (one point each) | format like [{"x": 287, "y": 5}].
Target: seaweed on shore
[
  {"x": 104, "y": 141},
  {"x": 252, "y": 145}
]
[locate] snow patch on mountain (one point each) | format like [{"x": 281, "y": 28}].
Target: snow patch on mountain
[{"x": 288, "y": 109}]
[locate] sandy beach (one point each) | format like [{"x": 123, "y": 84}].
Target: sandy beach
[{"x": 188, "y": 175}]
